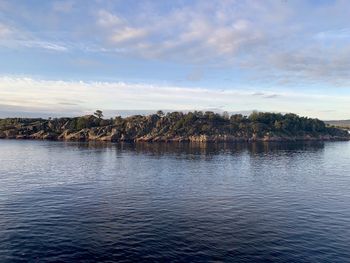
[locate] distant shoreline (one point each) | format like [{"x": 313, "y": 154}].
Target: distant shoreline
[
  {"x": 196, "y": 127},
  {"x": 177, "y": 141}
]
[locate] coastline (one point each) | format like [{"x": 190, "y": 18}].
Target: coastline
[
  {"x": 197, "y": 127},
  {"x": 163, "y": 139}
]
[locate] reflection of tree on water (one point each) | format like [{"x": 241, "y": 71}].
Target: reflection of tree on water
[
  {"x": 270, "y": 147},
  {"x": 202, "y": 149}
]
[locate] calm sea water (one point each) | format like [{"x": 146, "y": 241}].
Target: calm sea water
[{"x": 81, "y": 202}]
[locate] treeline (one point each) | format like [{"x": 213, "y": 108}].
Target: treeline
[
  {"x": 174, "y": 125},
  {"x": 259, "y": 123}
]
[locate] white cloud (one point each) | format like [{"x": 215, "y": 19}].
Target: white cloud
[
  {"x": 108, "y": 20},
  {"x": 63, "y": 6},
  {"x": 295, "y": 42},
  {"x": 118, "y": 30},
  {"x": 14, "y": 43},
  {"x": 128, "y": 34},
  {"x": 184, "y": 35},
  {"x": 266, "y": 38},
  {"x": 11, "y": 37},
  {"x": 4, "y": 31},
  {"x": 70, "y": 97},
  {"x": 334, "y": 34},
  {"x": 42, "y": 45}
]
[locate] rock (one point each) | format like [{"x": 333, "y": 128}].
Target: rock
[
  {"x": 172, "y": 127},
  {"x": 81, "y": 135},
  {"x": 21, "y": 137},
  {"x": 11, "y": 134},
  {"x": 146, "y": 138},
  {"x": 50, "y": 136},
  {"x": 2, "y": 135},
  {"x": 64, "y": 134},
  {"x": 38, "y": 135},
  {"x": 199, "y": 138},
  {"x": 126, "y": 138}
]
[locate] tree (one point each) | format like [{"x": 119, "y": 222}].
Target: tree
[
  {"x": 226, "y": 115},
  {"x": 254, "y": 116},
  {"x": 98, "y": 114},
  {"x": 160, "y": 113},
  {"x": 278, "y": 125},
  {"x": 82, "y": 123}
]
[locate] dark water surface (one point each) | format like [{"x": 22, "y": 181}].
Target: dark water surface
[{"x": 80, "y": 202}]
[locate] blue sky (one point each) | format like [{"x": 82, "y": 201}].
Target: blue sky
[{"x": 70, "y": 57}]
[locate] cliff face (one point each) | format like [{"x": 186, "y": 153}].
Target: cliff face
[{"x": 179, "y": 127}]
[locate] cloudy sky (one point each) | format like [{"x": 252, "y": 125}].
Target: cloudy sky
[{"x": 71, "y": 57}]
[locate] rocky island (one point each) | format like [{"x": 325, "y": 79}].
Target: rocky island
[{"x": 173, "y": 127}]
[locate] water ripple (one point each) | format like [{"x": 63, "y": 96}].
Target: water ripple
[{"x": 85, "y": 202}]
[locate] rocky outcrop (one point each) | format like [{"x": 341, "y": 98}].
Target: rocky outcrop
[
  {"x": 174, "y": 127},
  {"x": 107, "y": 135}
]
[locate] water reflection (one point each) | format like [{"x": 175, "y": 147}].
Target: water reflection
[
  {"x": 158, "y": 149},
  {"x": 103, "y": 202}
]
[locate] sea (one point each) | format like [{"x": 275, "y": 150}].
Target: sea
[{"x": 182, "y": 202}]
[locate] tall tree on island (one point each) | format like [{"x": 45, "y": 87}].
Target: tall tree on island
[
  {"x": 98, "y": 114},
  {"x": 160, "y": 113}
]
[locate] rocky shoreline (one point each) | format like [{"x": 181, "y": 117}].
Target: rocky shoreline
[
  {"x": 174, "y": 127},
  {"x": 109, "y": 134}
]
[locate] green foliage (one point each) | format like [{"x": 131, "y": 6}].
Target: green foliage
[
  {"x": 82, "y": 123},
  {"x": 88, "y": 122},
  {"x": 186, "y": 124},
  {"x": 160, "y": 113}
]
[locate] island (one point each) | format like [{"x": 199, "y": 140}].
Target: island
[{"x": 194, "y": 126}]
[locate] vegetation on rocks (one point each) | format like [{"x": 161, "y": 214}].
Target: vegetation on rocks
[{"x": 174, "y": 126}]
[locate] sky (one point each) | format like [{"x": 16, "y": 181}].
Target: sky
[{"x": 71, "y": 57}]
